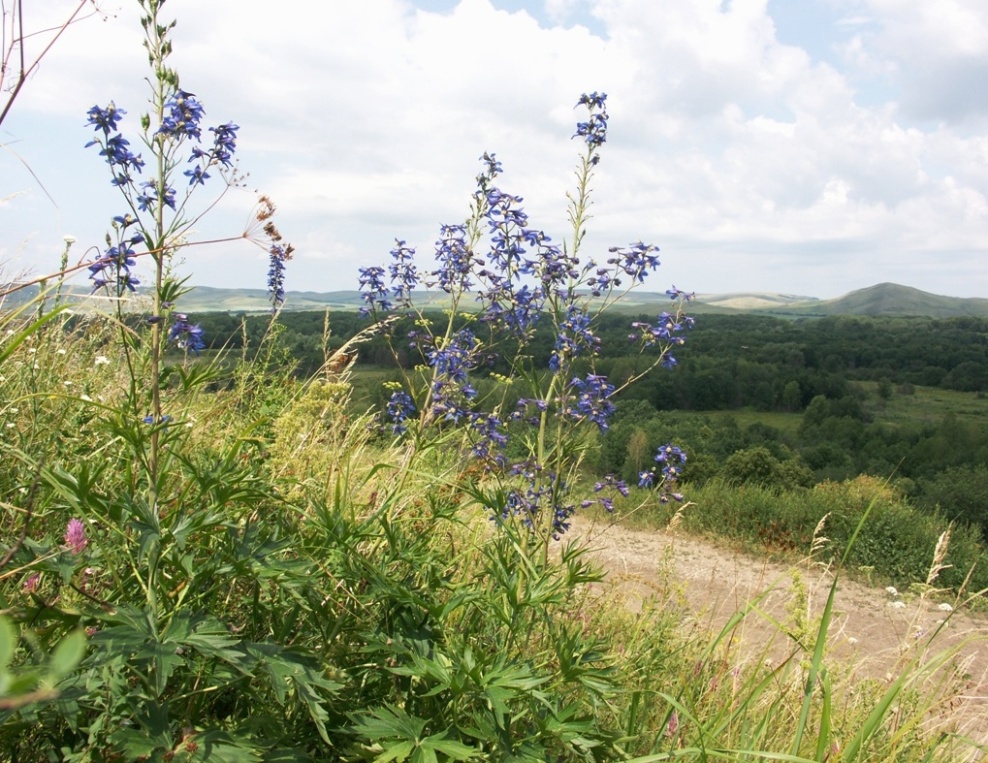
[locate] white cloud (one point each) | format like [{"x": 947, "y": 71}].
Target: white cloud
[{"x": 936, "y": 54}]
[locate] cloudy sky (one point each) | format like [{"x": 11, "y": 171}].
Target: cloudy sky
[{"x": 807, "y": 147}]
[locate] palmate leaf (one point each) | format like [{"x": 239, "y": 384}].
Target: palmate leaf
[
  {"x": 400, "y": 736},
  {"x": 294, "y": 674},
  {"x": 207, "y": 635},
  {"x": 448, "y": 747},
  {"x": 388, "y": 722}
]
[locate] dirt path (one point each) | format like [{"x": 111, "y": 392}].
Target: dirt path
[{"x": 872, "y": 630}]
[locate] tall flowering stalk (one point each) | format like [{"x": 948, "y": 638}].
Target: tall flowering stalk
[
  {"x": 159, "y": 180},
  {"x": 498, "y": 295}
]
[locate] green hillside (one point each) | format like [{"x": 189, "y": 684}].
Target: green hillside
[{"x": 885, "y": 299}]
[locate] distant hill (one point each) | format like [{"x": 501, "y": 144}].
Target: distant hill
[
  {"x": 885, "y": 299},
  {"x": 893, "y": 299},
  {"x": 882, "y": 299}
]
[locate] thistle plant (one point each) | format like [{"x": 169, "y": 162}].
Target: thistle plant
[{"x": 504, "y": 279}]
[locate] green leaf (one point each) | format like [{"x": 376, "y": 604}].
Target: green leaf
[
  {"x": 450, "y": 747},
  {"x": 134, "y": 744},
  {"x": 8, "y": 642},
  {"x": 399, "y": 751},
  {"x": 68, "y": 654}
]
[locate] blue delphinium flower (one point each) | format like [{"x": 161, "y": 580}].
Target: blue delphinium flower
[
  {"x": 451, "y": 390},
  {"x": 459, "y": 356},
  {"x": 591, "y": 400},
  {"x": 404, "y": 276},
  {"x": 400, "y": 408},
  {"x": 575, "y": 337},
  {"x": 224, "y": 143},
  {"x": 197, "y": 176},
  {"x": 278, "y": 255},
  {"x": 186, "y": 335},
  {"x": 672, "y": 459},
  {"x": 678, "y": 294},
  {"x": 667, "y": 331},
  {"x": 182, "y": 116},
  {"x": 150, "y": 197},
  {"x": 491, "y": 438},
  {"x": 113, "y": 268},
  {"x": 376, "y": 296},
  {"x": 114, "y": 147},
  {"x": 106, "y": 119},
  {"x": 492, "y": 167},
  {"x": 220, "y": 154},
  {"x": 455, "y": 260},
  {"x": 636, "y": 259},
  {"x": 594, "y": 130}
]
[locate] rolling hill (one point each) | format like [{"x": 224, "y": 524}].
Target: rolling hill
[{"x": 885, "y": 299}]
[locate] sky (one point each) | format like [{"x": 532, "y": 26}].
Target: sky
[{"x": 804, "y": 147}]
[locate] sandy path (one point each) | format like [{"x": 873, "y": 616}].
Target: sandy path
[{"x": 868, "y": 632}]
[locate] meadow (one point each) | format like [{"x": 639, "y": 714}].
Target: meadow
[{"x": 219, "y": 560}]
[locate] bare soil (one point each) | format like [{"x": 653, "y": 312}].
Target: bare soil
[{"x": 873, "y": 633}]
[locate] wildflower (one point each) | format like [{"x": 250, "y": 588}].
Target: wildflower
[
  {"x": 852, "y": 641},
  {"x": 404, "y": 277},
  {"x": 105, "y": 119},
  {"x": 673, "y": 725},
  {"x": 147, "y": 200},
  {"x": 679, "y": 294},
  {"x": 455, "y": 260},
  {"x": 30, "y": 584},
  {"x": 400, "y": 408},
  {"x": 197, "y": 176},
  {"x": 891, "y": 591},
  {"x": 592, "y": 400},
  {"x": 493, "y": 165},
  {"x": 594, "y": 130},
  {"x": 101, "y": 360},
  {"x": 69, "y": 239},
  {"x": 278, "y": 256},
  {"x": 945, "y": 607},
  {"x": 575, "y": 336},
  {"x": 636, "y": 260},
  {"x": 610, "y": 481},
  {"x": 75, "y": 536},
  {"x": 897, "y": 604},
  {"x": 489, "y": 428},
  {"x": 376, "y": 296},
  {"x": 182, "y": 117},
  {"x": 114, "y": 267},
  {"x": 224, "y": 143},
  {"x": 669, "y": 455},
  {"x": 186, "y": 335}
]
